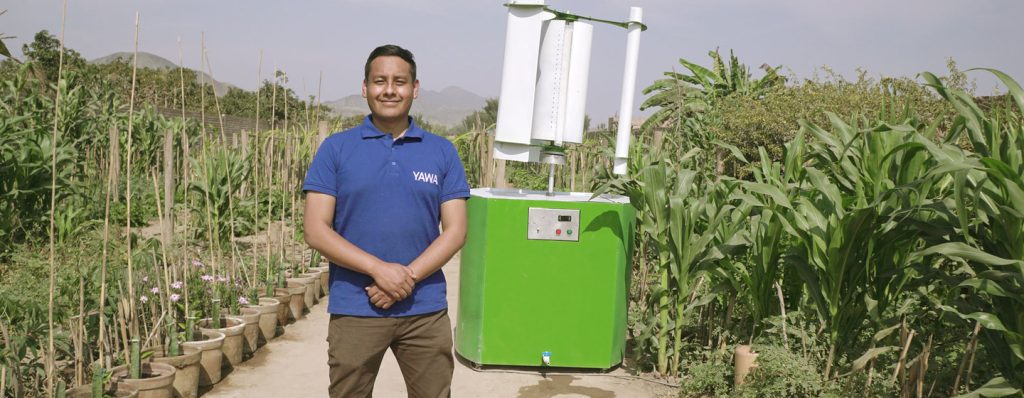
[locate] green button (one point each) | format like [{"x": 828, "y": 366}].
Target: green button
[{"x": 568, "y": 231}]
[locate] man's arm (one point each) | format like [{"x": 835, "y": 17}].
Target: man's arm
[
  {"x": 453, "y": 236},
  {"x": 394, "y": 279}
]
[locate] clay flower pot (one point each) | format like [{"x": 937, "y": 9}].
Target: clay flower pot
[
  {"x": 251, "y": 333},
  {"x": 315, "y": 293},
  {"x": 297, "y": 302},
  {"x": 309, "y": 293},
  {"x": 746, "y": 359},
  {"x": 284, "y": 297},
  {"x": 325, "y": 279},
  {"x": 211, "y": 359},
  {"x": 267, "y": 323},
  {"x": 118, "y": 390},
  {"x": 186, "y": 379},
  {"x": 233, "y": 329},
  {"x": 157, "y": 379}
]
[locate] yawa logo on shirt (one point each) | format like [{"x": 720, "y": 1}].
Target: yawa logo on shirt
[{"x": 425, "y": 177}]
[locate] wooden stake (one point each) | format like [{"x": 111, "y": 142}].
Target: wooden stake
[
  {"x": 51, "y": 352},
  {"x": 168, "y": 191}
]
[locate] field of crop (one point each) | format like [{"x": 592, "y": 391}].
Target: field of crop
[{"x": 865, "y": 237}]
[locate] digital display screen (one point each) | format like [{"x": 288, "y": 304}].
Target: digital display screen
[{"x": 564, "y": 218}]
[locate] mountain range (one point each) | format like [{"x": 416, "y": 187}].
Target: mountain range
[
  {"x": 447, "y": 107},
  {"x": 153, "y": 61}
]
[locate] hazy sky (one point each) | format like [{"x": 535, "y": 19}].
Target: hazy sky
[{"x": 460, "y": 42}]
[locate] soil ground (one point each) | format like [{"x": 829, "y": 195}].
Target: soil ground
[{"x": 295, "y": 365}]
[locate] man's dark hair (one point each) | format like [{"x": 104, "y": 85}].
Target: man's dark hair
[{"x": 390, "y": 50}]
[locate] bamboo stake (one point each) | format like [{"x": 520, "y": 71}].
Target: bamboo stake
[
  {"x": 184, "y": 135},
  {"x": 111, "y": 172},
  {"x": 51, "y": 352},
  {"x": 923, "y": 366},
  {"x": 216, "y": 100},
  {"x": 80, "y": 333},
  {"x": 273, "y": 102},
  {"x": 186, "y": 169},
  {"x": 202, "y": 82},
  {"x": 128, "y": 181},
  {"x": 165, "y": 303},
  {"x": 968, "y": 357},
  {"x": 259, "y": 89},
  {"x": 782, "y": 308},
  {"x": 287, "y": 174},
  {"x": 231, "y": 207},
  {"x": 256, "y": 173},
  {"x": 206, "y": 155},
  {"x": 897, "y": 375},
  {"x": 319, "y": 86}
]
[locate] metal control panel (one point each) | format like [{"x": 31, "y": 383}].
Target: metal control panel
[{"x": 553, "y": 224}]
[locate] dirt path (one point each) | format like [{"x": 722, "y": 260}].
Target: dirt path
[{"x": 295, "y": 365}]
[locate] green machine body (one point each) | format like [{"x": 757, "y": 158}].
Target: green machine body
[{"x": 544, "y": 279}]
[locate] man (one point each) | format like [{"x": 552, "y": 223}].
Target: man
[{"x": 374, "y": 197}]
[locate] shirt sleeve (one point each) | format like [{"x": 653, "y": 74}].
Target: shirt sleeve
[
  {"x": 322, "y": 175},
  {"x": 454, "y": 185}
]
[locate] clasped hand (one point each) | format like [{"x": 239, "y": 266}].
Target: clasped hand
[{"x": 392, "y": 282}]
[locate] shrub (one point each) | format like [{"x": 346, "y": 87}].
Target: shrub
[{"x": 780, "y": 373}]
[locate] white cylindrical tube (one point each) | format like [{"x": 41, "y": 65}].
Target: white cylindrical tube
[
  {"x": 547, "y": 101},
  {"x": 519, "y": 71},
  {"x": 579, "y": 74},
  {"x": 628, "y": 89}
]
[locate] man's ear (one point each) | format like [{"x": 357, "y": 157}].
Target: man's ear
[
  {"x": 364, "y": 88},
  {"x": 416, "y": 89}
]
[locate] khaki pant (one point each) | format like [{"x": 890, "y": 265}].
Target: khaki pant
[{"x": 421, "y": 343}]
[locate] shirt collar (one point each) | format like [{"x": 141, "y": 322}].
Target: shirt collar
[{"x": 371, "y": 131}]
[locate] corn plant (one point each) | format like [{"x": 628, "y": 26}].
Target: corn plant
[
  {"x": 861, "y": 187},
  {"x": 221, "y": 175},
  {"x": 988, "y": 233}
]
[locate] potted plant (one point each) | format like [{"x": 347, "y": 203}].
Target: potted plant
[
  {"x": 232, "y": 329},
  {"x": 153, "y": 380},
  {"x": 209, "y": 345},
  {"x": 238, "y": 307},
  {"x": 101, "y": 387},
  {"x": 268, "y": 309}
]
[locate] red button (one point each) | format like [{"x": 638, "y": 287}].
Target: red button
[{"x": 558, "y": 232}]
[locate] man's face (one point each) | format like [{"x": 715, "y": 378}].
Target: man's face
[{"x": 390, "y": 88}]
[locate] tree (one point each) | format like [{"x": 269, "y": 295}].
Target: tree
[{"x": 44, "y": 50}]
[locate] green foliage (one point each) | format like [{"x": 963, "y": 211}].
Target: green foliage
[
  {"x": 781, "y": 373},
  {"x": 44, "y": 50},
  {"x": 711, "y": 378},
  {"x": 222, "y": 171},
  {"x": 987, "y": 233}
]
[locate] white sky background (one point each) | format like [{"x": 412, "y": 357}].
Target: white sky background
[{"x": 460, "y": 42}]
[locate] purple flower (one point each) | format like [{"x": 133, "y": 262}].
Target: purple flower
[
  {"x": 176, "y": 285},
  {"x": 145, "y": 278},
  {"x": 196, "y": 263},
  {"x": 243, "y": 301},
  {"x": 175, "y": 297},
  {"x": 144, "y": 299},
  {"x": 155, "y": 290},
  {"x": 207, "y": 278}
]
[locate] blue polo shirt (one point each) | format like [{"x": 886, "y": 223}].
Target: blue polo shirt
[{"x": 388, "y": 202}]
